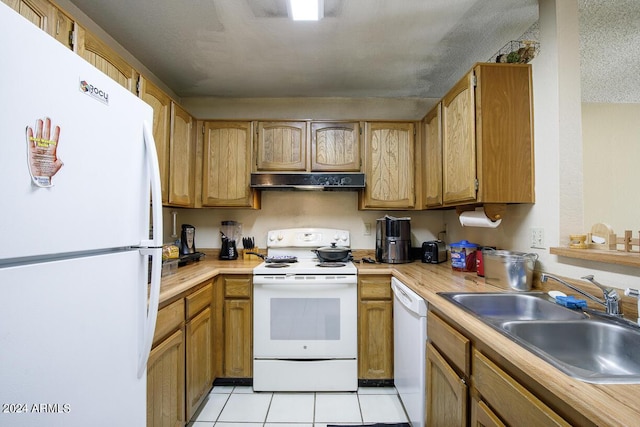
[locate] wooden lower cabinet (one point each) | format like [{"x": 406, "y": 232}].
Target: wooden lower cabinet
[
  {"x": 165, "y": 383},
  {"x": 446, "y": 392},
  {"x": 180, "y": 369},
  {"x": 494, "y": 398},
  {"x": 483, "y": 416},
  {"x": 509, "y": 400},
  {"x": 199, "y": 348},
  {"x": 375, "y": 328},
  {"x": 448, "y": 370},
  {"x": 237, "y": 325}
]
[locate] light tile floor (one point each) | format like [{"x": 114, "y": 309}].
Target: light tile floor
[{"x": 239, "y": 406}]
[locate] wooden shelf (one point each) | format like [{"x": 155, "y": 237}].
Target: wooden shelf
[{"x": 631, "y": 259}]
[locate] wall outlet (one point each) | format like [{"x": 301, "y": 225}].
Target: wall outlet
[
  {"x": 537, "y": 237},
  {"x": 367, "y": 229}
]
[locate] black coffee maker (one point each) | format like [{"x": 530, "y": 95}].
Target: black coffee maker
[{"x": 188, "y": 240}]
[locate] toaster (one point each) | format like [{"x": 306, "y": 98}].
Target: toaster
[{"x": 434, "y": 251}]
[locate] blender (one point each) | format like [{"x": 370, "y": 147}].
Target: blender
[{"x": 230, "y": 232}]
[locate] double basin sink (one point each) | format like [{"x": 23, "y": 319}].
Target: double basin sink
[{"x": 588, "y": 348}]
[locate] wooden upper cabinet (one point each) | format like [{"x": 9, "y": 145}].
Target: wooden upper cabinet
[
  {"x": 45, "y": 16},
  {"x": 161, "y": 104},
  {"x": 62, "y": 28},
  {"x": 487, "y": 148},
  {"x": 504, "y": 128},
  {"x": 226, "y": 170},
  {"x": 101, "y": 56},
  {"x": 389, "y": 166},
  {"x": 281, "y": 146},
  {"x": 335, "y": 146},
  {"x": 432, "y": 157},
  {"x": 459, "y": 143},
  {"x": 181, "y": 158}
]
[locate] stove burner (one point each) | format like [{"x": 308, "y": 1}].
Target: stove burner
[
  {"x": 277, "y": 265},
  {"x": 331, "y": 264}
]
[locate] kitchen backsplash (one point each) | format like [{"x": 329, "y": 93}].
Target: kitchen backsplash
[{"x": 292, "y": 209}]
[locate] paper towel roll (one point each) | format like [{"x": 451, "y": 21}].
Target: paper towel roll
[{"x": 477, "y": 219}]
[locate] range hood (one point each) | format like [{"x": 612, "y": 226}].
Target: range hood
[{"x": 308, "y": 181}]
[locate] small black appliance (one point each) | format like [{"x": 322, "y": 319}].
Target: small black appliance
[
  {"x": 434, "y": 252},
  {"x": 188, "y": 240},
  {"x": 230, "y": 232}
]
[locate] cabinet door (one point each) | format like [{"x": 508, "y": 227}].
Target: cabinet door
[
  {"x": 483, "y": 416},
  {"x": 238, "y": 326},
  {"x": 101, "y": 56},
  {"x": 375, "y": 327},
  {"x": 181, "y": 158},
  {"x": 226, "y": 170},
  {"x": 446, "y": 400},
  {"x": 459, "y": 143},
  {"x": 509, "y": 399},
  {"x": 282, "y": 146},
  {"x": 504, "y": 124},
  {"x": 199, "y": 359},
  {"x": 335, "y": 147},
  {"x": 62, "y": 28},
  {"x": 238, "y": 355},
  {"x": 165, "y": 383},
  {"x": 45, "y": 16},
  {"x": 389, "y": 166},
  {"x": 375, "y": 340},
  {"x": 36, "y": 11},
  {"x": 433, "y": 157},
  {"x": 161, "y": 104}
]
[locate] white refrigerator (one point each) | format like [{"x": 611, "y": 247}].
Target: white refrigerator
[{"x": 78, "y": 170}]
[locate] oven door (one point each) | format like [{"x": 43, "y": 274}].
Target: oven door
[{"x": 305, "y": 317}]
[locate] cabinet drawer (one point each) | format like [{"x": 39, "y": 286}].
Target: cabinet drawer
[
  {"x": 237, "y": 287},
  {"x": 510, "y": 401},
  {"x": 375, "y": 287},
  {"x": 169, "y": 319},
  {"x": 198, "y": 300},
  {"x": 450, "y": 342}
]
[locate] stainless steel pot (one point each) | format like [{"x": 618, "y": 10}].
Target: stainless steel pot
[
  {"x": 509, "y": 270},
  {"x": 333, "y": 253}
]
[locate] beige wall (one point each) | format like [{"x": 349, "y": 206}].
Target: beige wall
[{"x": 611, "y": 140}]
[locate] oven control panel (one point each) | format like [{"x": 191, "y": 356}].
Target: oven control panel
[{"x": 307, "y": 237}]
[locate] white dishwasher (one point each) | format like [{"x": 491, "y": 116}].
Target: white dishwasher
[{"x": 409, "y": 342}]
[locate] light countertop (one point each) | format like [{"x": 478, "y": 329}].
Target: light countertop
[{"x": 606, "y": 405}]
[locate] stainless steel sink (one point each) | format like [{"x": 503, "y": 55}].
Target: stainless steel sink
[
  {"x": 586, "y": 347},
  {"x": 590, "y": 350},
  {"x": 512, "y": 306}
]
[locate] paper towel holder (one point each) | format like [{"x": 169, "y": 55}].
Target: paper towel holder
[{"x": 493, "y": 211}]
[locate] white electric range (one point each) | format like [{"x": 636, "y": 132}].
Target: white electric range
[{"x": 305, "y": 315}]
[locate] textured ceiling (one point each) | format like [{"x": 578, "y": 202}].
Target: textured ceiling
[
  {"x": 609, "y": 43},
  {"x": 362, "y": 48}
]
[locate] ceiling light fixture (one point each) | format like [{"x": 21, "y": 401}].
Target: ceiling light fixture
[{"x": 306, "y": 10}]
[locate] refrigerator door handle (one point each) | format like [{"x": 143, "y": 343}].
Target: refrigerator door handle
[
  {"x": 156, "y": 189},
  {"x": 151, "y": 312},
  {"x": 152, "y": 248}
]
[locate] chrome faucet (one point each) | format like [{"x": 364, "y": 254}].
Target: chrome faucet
[{"x": 611, "y": 300}]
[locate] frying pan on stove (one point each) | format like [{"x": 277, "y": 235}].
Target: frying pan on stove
[{"x": 278, "y": 259}]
